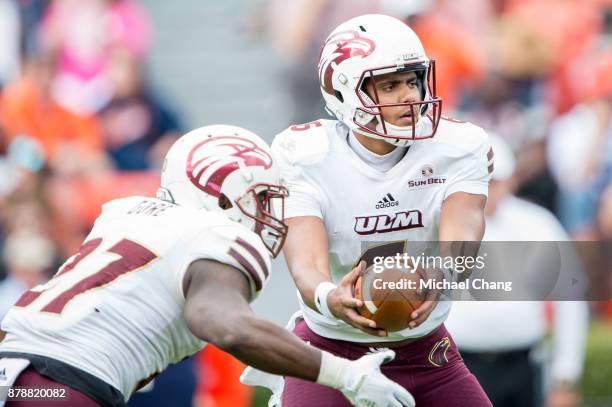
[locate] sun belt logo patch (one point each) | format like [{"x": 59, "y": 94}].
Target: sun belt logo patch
[
  {"x": 347, "y": 44},
  {"x": 212, "y": 160}
]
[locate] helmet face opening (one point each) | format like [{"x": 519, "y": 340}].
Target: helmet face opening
[
  {"x": 430, "y": 106},
  {"x": 265, "y": 204}
]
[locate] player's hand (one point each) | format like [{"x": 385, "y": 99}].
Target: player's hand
[
  {"x": 344, "y": 306},
  {"x": 420, "y": 314},
  {"x": 365, "y": 385}
]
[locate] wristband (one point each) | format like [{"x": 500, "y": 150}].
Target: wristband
[
  {"x": 320, "y": 298},
  {"x": 333, "y": 370}
]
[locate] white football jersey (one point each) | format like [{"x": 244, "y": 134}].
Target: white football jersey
[
  {"x": 115, "y": 309},
  {"x": 367, "y": 212}
]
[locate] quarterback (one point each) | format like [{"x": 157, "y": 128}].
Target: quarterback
[
  {"x": 158, "y": 278},
  {"x": 389, "y": 173}
]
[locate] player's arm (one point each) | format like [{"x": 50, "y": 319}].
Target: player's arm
[
  {"x": 462, "y": 219},
  {"x": 306, "y": 251},
  {"x": 217, "y": 311},
  {"x": 2, "y": 335},
  {"x": 306, "y": 255}
]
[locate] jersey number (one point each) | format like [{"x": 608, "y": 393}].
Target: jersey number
[
  {"x": 306, "y": 126},
  {"x": 389, "y": 249},
  {"x": 132, "y": 256}
]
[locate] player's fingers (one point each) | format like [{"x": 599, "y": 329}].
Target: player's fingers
[
  {"x": 351, "y": 302},
  {"x": 420, "y": 314},
  {"x": 364, "y": 324},
  {"x": 350, "y": 278},
  {"x": 369, "y": 331},
  {"x": 383, "y": 357},
  {"x": 360, "y": 320},
  {"x": 403, "y": 396}
]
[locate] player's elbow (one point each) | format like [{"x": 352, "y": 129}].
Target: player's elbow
[
  {"x": 229, "y": 333},
  {"x": 240, "y": 335}
]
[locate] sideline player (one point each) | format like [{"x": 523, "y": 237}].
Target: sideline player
[
  {"x": 390, "y": 171},
  {"x": 157, "y": 278}
]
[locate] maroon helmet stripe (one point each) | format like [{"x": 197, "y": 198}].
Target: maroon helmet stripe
[
  {"x": 254, "y": 253},
  {"x": 490, "y": 154},
  {"x": 247, "y": 266},
  {"x": 490, "y": 168}
]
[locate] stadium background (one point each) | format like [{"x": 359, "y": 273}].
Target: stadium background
[{"x": 76, "y": 131}]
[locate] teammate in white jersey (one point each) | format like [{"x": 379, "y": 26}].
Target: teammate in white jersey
[
  {"x": 158, "y": 278},
  {"x": 389, "y": 172}
]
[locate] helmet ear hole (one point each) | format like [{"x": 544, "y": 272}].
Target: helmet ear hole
[
  {"x": 339, "y": 96},
  {"x": 224, "y": 202}
]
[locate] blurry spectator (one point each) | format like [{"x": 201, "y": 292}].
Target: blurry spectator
[
  {"x": 9, "y": 41},
  {"x": 497, "y": 339},
  {"x": 75, "y": 202},
  {"x": 580, "y": 151},
  {"x": 31, "y": 14},
  {"x": 511, "y": 102},
  {"x": 20, "y": 170},
  {"x": 297, "y": 29},
  {"x": 72, "y": 144},
  {"x": 29, "y": 256},
  {"x": 568, "y": 29},
  {"x": 81, "y": 33},
  {"x": 137, "y": 127},
  {"x": 460, "y": 62}
]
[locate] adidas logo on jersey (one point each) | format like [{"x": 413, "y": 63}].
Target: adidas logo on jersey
[
  {"x": 387, "y": 202},
  {"x": 3, "y": 374}
]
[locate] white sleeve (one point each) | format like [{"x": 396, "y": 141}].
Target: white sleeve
[
  {"x": 304, "y": 196},
  {"x": 471, "y": 172},
  {"x": 234, "y": 245}
]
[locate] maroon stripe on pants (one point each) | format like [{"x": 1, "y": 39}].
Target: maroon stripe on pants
[
  {"x": 31, "y": 379},
  {"x": 444, "y": 383}
]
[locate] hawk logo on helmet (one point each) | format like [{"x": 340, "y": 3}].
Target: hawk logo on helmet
[
  {"x": 210, "y": 162},
  {"x": 348, "y": 44}
]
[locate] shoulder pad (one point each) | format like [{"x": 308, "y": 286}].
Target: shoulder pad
[
  {"x": 464, "y": 135},
  {"x": 304, "y": 143}
]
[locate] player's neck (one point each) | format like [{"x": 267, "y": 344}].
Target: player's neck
[{"x": 377, "y": 146}]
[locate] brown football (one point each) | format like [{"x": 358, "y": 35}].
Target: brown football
[{"x": 389, "y": 298}]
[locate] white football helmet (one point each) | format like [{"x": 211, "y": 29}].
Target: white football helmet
[
  {"x": 228, "y": 169},
  {"x": 364, "y": 47}
]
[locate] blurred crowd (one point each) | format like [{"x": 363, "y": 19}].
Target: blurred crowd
[{"x": 80, "y": 122}]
